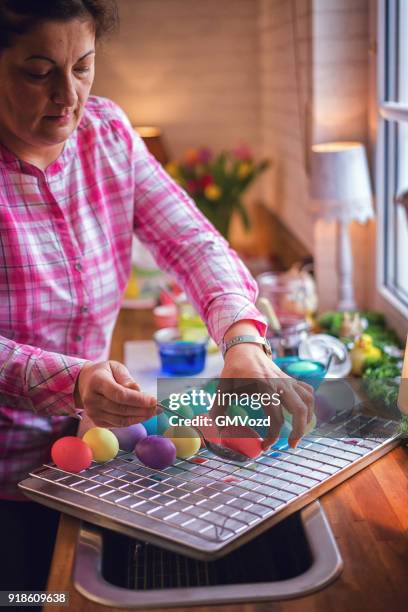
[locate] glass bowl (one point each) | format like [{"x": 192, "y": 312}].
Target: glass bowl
[
  {"x": 311, "y": 372},
  {"x": 180, "y": 357}
]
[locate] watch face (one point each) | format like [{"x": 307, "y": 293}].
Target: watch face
[{"x": 268, "y": 349}]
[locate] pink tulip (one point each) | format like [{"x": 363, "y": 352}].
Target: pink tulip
[
  {"x": 242, "y": 152},
  {"x": 205, "y": 155}
]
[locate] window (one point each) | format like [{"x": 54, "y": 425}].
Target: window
[{"x": 392, "y": 152}]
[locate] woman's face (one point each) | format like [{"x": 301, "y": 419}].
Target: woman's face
[{"x": 46, "y": 78}]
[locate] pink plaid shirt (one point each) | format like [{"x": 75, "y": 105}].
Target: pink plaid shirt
[{"x": 65, "y": 257}]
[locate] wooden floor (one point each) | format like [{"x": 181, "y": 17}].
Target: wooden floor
[{"x": 368, "y": 514}]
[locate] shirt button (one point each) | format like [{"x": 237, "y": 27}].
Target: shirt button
[
  {"x": 78, "y": 338},
  {"x": 84, "y": 308},
  {"x": 78, "y": 267}
]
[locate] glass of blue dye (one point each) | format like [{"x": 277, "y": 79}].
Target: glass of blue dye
[
  {"x": 180, "y": 357},
  {"x": 311, "y": 372}
]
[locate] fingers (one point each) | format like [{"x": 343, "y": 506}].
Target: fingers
[
  {"x": 294, "y": 403},
  {"x": 119, "y": 395},
  {"x": 296, "y": 406},
  {"x": 113, "y": 399},
  {"x": 307, "y": 395},
  {"x": 122, "y": 375},
  {"x": 117, "y": 415}
]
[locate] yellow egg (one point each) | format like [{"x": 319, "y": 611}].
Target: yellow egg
[
  {"x": 309, "y": 427},
  {"x": 102, "y": 442},
  {"x": 186, "y": 440}
]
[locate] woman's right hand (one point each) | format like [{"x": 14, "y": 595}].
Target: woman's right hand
[{"x": 110, "y": 397}]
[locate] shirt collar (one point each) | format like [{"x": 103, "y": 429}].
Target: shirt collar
[{"x": 12, "y": 162}]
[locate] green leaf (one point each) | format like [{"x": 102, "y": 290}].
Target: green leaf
[{"x": 244, "y": 216}]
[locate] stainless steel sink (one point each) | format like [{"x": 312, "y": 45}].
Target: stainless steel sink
[{"x": 293, "y": 558}]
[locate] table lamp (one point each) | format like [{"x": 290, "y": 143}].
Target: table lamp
[
  {"x": 152, "y": 137},
  {"x": 340, "y": 191}
]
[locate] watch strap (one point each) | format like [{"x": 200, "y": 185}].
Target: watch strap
[{"x": 242, "y": 339}]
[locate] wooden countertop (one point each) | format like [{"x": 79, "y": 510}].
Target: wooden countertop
[{"x": 368, "y": 514}]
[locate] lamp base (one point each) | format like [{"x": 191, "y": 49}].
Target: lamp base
[
  {"x": 347, "y": 306},
  {"x": 345, "y": 269}
]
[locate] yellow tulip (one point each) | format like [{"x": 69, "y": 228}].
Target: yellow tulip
[
  {"x": 212, "y": 192},
  {"x": 172, "y": 169},
  {"x": 244, "y": 169}
]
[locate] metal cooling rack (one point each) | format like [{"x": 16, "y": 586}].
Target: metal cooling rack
[{"x": 206, "y": 506}]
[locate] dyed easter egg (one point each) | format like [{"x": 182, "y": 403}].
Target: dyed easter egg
[
  {"x": 156, "y": 452},
  {"x": 103, "y": 443},
  {"x": 128, "y": 437},
  {"x": 186, "y": 440},
  {"x": 184, "y": 412},
  {"x": 71, "y": 454},
  {"x": 151, "y": 426},
  {"x": 162, "y": 423},
  {"x": 309, "y": 427},
  {"x": 243, "y": 440},
  {"x": 157, "y": 424}
]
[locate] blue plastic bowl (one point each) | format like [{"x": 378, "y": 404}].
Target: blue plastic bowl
[
  {"x": 180, "y": 357},
  {"x": 311, "y": 372}
]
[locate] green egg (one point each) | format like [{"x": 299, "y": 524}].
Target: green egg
[
  {"x": 199, "y": 409},
  {"x": 183, "y": 412}
]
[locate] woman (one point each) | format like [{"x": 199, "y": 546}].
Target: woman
[{"x": 75, "y": 183}]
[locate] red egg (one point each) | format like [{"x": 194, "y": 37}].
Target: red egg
[
  {"x": 243, "y": 440},
  {"x": 71, "y": 454}
]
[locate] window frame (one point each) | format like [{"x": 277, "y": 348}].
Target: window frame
[{"x": 386, "y": 139}]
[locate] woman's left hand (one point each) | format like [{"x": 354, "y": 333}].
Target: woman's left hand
[{"x": 245, "y": 361}]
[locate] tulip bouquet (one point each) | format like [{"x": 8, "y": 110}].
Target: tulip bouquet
[{"x": 217, "y": 182}]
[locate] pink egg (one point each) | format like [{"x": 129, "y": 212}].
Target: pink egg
[
  {"x": 128, "y": 437},
  {"x": 156, "y": 452},
  {"x": 71, "y": 454}
]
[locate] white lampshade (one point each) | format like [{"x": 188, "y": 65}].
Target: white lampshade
[{"x": 340, "y": 182}]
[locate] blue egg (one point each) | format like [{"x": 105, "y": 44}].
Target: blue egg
[
  {"x": 151, "y": 426},
  {"x": 162, "y": 423}
]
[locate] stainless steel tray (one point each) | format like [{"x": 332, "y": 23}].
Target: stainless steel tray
[
  {"x": 206, "y": 510},
  {"x": 164, "y": 579}
]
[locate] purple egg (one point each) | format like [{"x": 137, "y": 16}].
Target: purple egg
[
  {"x": 156, "y": 452},
  {"x": 129, "y": 436}
]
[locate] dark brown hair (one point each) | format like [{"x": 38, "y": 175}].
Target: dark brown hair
[{"x": 20, "y": 16}]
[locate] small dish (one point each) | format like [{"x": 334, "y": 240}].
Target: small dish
[
  {"x": 180, "y": 357},
  {"x": 307, "y": 370}
]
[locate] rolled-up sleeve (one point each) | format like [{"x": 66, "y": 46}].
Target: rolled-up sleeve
[{"x": 187, "y": 246}]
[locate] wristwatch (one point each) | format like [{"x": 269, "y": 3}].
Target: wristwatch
[{"x": 251, "y": 339}]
